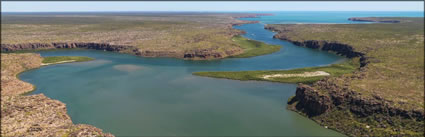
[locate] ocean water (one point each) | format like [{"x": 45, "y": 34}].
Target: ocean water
[
  {"x": 317, "y": 17},
  {"x": 135, "y": 96}
]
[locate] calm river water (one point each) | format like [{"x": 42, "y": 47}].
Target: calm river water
[{"x": 134, "y": 96}]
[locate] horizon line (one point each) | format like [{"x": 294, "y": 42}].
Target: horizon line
[{"x": 235, "y": 11}]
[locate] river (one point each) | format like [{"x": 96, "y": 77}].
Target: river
[{"x": 134, "y": 96}]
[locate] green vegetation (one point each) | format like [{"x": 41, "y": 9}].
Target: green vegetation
[
  {"x": 254, "y": 48},
  {"x": 64, "y": 59},
  {"x": 395, "y": 51},
  {"x": 155, "y": 32},
  {"x": 394, "y": 74},
  {"x": 344, "y": 121},
  {"x": 333, "y": 70}
]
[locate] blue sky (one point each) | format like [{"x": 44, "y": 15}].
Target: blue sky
[{"x": 210, "y": 6}]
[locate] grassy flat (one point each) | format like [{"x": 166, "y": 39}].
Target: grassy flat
[
  {"x": 254, "y": 48},
  {"x": 65, "y": 59},
  {"x": 333, "y": 70}
]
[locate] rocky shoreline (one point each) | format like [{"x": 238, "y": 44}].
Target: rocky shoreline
[
  {"x": 33, "y": 115},
  {"x": 340, "y": 108},
  {"x": 330, "y": 46},
  {"x": 201, "y": 54},
  {"x": 198, "y": 54}
]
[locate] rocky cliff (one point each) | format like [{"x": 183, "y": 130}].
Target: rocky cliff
[
  {"x": 350, "y": 111},
  {"x": 331, "y": 46},
  {"x": 338, "y": 97},
  {"x": 198, "y": 54},
  {"x": 41, "y": 46},
  {"x": 335, "y": 105}
]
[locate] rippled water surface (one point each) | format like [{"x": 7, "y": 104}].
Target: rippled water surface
[{"x": 129, "y": 95}]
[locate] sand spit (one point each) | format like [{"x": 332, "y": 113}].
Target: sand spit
[
  {"x": 305, "y": 74},
  {"x": 65, "y": 61}
]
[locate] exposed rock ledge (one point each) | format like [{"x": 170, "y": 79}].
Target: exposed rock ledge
[
  {"x": 352, "y": 113},
  {"x": 312, "y": 102},
  {"x": 193, "y": 54},
  {"x": 339, "y": 48},
  {"x": 330, "y": 104},
  {"x": 33, "y": 115},
  {"x": 305, "y": 94}
]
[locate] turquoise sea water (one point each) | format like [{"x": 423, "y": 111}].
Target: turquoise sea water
[
  {"x": 294, "y": 17},
  {"x": 135, "y": 96}
]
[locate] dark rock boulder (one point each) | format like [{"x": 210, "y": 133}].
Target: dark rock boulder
[{"x": 310, "y": 101}]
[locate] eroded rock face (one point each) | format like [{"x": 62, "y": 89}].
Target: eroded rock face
[
  {"x": 38, "y": 46},
  {"x": 313, "y": 102},
  {"x": 192, "y": 54},
  {"x": 333, "y": 103},
  {"x": 310, "y": 101},
  {"x": 210, "y": 53},
  {"x": 341, "y": 108},
  {"x": 339, "y": 48}
]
